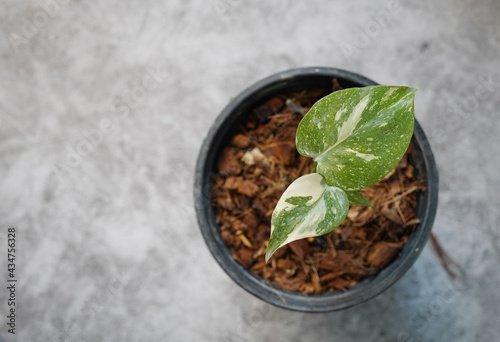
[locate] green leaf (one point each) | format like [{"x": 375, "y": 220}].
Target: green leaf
[
  {"x": 358, "y": 135},
  {"x": 356, "y": 197},
  {"x": 308, "y": 207}
]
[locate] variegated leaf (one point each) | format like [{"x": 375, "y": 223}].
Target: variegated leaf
[
  {"x": 357, "y": 135},
  {"x": 308, "y": 207}
]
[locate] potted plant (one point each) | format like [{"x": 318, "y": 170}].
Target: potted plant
[{"x": 263, "y": 97}]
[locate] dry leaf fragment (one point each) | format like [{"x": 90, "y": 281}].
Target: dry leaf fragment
[
  {"x": 412, "y": 222},
  {"x": 392, "y": 214},
  {"x": 245, "y": 241}
]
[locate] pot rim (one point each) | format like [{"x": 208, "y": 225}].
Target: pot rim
[{"x": 329, "y": 301}]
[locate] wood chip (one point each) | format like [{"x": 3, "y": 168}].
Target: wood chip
[
  {"x": 228, "y": 162},
  {"x": 382, "y": 253},
  {"x": 232, "y": 182},
  {"x": 248, "y": 188},
  {"x": 285, "y": 152},
  {"x": 245, "y": 256},
  {"x": 241, "y": 141}
]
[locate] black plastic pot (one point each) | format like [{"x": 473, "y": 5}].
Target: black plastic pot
[{"x": 219, "y": 133}]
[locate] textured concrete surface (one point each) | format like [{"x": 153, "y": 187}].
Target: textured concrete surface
[{"x": 103, "y": 108}]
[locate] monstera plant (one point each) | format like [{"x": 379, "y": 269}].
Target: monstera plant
[{"x": 356, "y": 137}]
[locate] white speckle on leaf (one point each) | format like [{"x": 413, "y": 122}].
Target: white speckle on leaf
[
  {"x": 339, "y": 113},
  {"x": 388, "y": 94},
  {"x": 352, "y": 121},
  {"x": 367, "y": 157}
]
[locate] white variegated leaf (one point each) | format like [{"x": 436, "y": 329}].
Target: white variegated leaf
[
  {"x": 308, "y": 207},
  {"x": 358, "y": 135}
]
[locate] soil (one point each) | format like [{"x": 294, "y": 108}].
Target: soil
[{"x": 259, "y": 163}]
